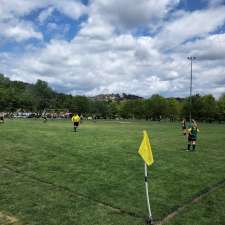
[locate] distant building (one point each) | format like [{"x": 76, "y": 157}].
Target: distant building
[{"x": 115, "y": 97}]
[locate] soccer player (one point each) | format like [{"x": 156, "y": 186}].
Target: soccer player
[
  {"x": 76, "y": 120},
  {"x": 184, "y": 127},
  {"x": 44, "y": 118},
  {"x": 2, "y": 118},
  {"x": 192, "y": 135}
]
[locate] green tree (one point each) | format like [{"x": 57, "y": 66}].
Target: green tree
[
  {"x": 195, "y": 107},
  {"x": 132, "y": 109},
  {"x": 80, "y": 104},
  {"x": 156, "y": 107},
  {"x": 208, "y": 111},
  {"x": 99, "y": 108},
  {"x": 221, "y": 108},
  {"x": 173, "y": 109},
  {"x": 27, "y": 100},
  {"x": 43, "y": 95},
  {"x": 113, "y": 110}
]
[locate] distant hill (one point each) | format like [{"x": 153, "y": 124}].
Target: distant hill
[
  {"x": 115, "y": 97},
  {"x": 177, "y": 98},
  {"x": 37, "y": 97}
]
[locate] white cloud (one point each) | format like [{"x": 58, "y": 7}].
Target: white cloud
[
  {"x": 118, "y": 64},
  {"x": 45, "y": 14},
  {"x": 210, "y": 48},
  {"x": 129, "y": 14},
  {"x": 19, "y": 31},
  {"x": 191, "y": 25},
  {"x": 15, "y": 26},
  {"x": 14, "y": 8},
  {"x": 106, "y": 57},
  {"x": 70, "y": 8},
  {"x": 96, "y": 29}
]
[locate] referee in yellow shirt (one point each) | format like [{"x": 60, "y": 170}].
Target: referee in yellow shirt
[{"x": 76, "y": 120}]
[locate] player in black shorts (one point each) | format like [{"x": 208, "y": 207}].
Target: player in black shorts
[
  {"x": 76, "y": 120},
  {"x": 2, "y": 119},
  {"x": 192, "y": 135}
]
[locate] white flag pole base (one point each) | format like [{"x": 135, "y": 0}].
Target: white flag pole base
[{"x": 149, "y": 219}]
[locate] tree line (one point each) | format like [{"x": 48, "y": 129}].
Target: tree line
[{"x": 15, "y": 95}]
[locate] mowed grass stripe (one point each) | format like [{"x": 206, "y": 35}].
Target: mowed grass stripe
[
  {"x": 209, "y": 210},
  {"x": 35, "y": 202},
  {"x": 203, "y": 194},
  {"x": 101, "y": 160},
  {"x": 69, "y": 191},
  {"x": 199, "y": 196}
]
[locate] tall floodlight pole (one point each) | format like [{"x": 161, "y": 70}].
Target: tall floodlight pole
[{"x": 191, "y": 58}]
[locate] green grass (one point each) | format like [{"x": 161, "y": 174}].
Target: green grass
[
  {"x": 208, "y": 211},
  {"x": 51, "y": 175}
]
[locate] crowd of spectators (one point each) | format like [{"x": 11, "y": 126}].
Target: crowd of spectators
[{"x": 52, "y": 115}]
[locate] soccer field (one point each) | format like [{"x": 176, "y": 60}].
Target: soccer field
[{"x": 51, "y": 175}]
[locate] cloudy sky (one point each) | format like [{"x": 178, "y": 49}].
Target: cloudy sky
[{"x": 140, "y": 47}]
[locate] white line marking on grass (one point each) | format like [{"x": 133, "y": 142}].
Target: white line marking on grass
[
  {"x": 64, "y": 188},
  {"x": 193, "y": 201}
]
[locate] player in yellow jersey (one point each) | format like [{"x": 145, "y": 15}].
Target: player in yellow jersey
[{"x": 76, "y": 120}]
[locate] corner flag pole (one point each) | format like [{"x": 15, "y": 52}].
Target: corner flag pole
[
  {"x": 149, "y": 221},
  {"x": 145, "y": 151}
]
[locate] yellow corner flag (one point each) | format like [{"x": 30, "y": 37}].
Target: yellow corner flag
[{"x": 145, "y": 150}]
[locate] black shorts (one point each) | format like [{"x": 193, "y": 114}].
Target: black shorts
[
  {"x": 184, "y": 128},
  {"x": 76, "y": 124},
  {"x": 191, "y": 138}
]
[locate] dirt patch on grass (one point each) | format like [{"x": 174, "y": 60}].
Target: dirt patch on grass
[{"x": 8, "y": 219}]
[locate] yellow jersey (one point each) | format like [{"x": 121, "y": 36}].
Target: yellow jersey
[{"x": 75, "y": 118}]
